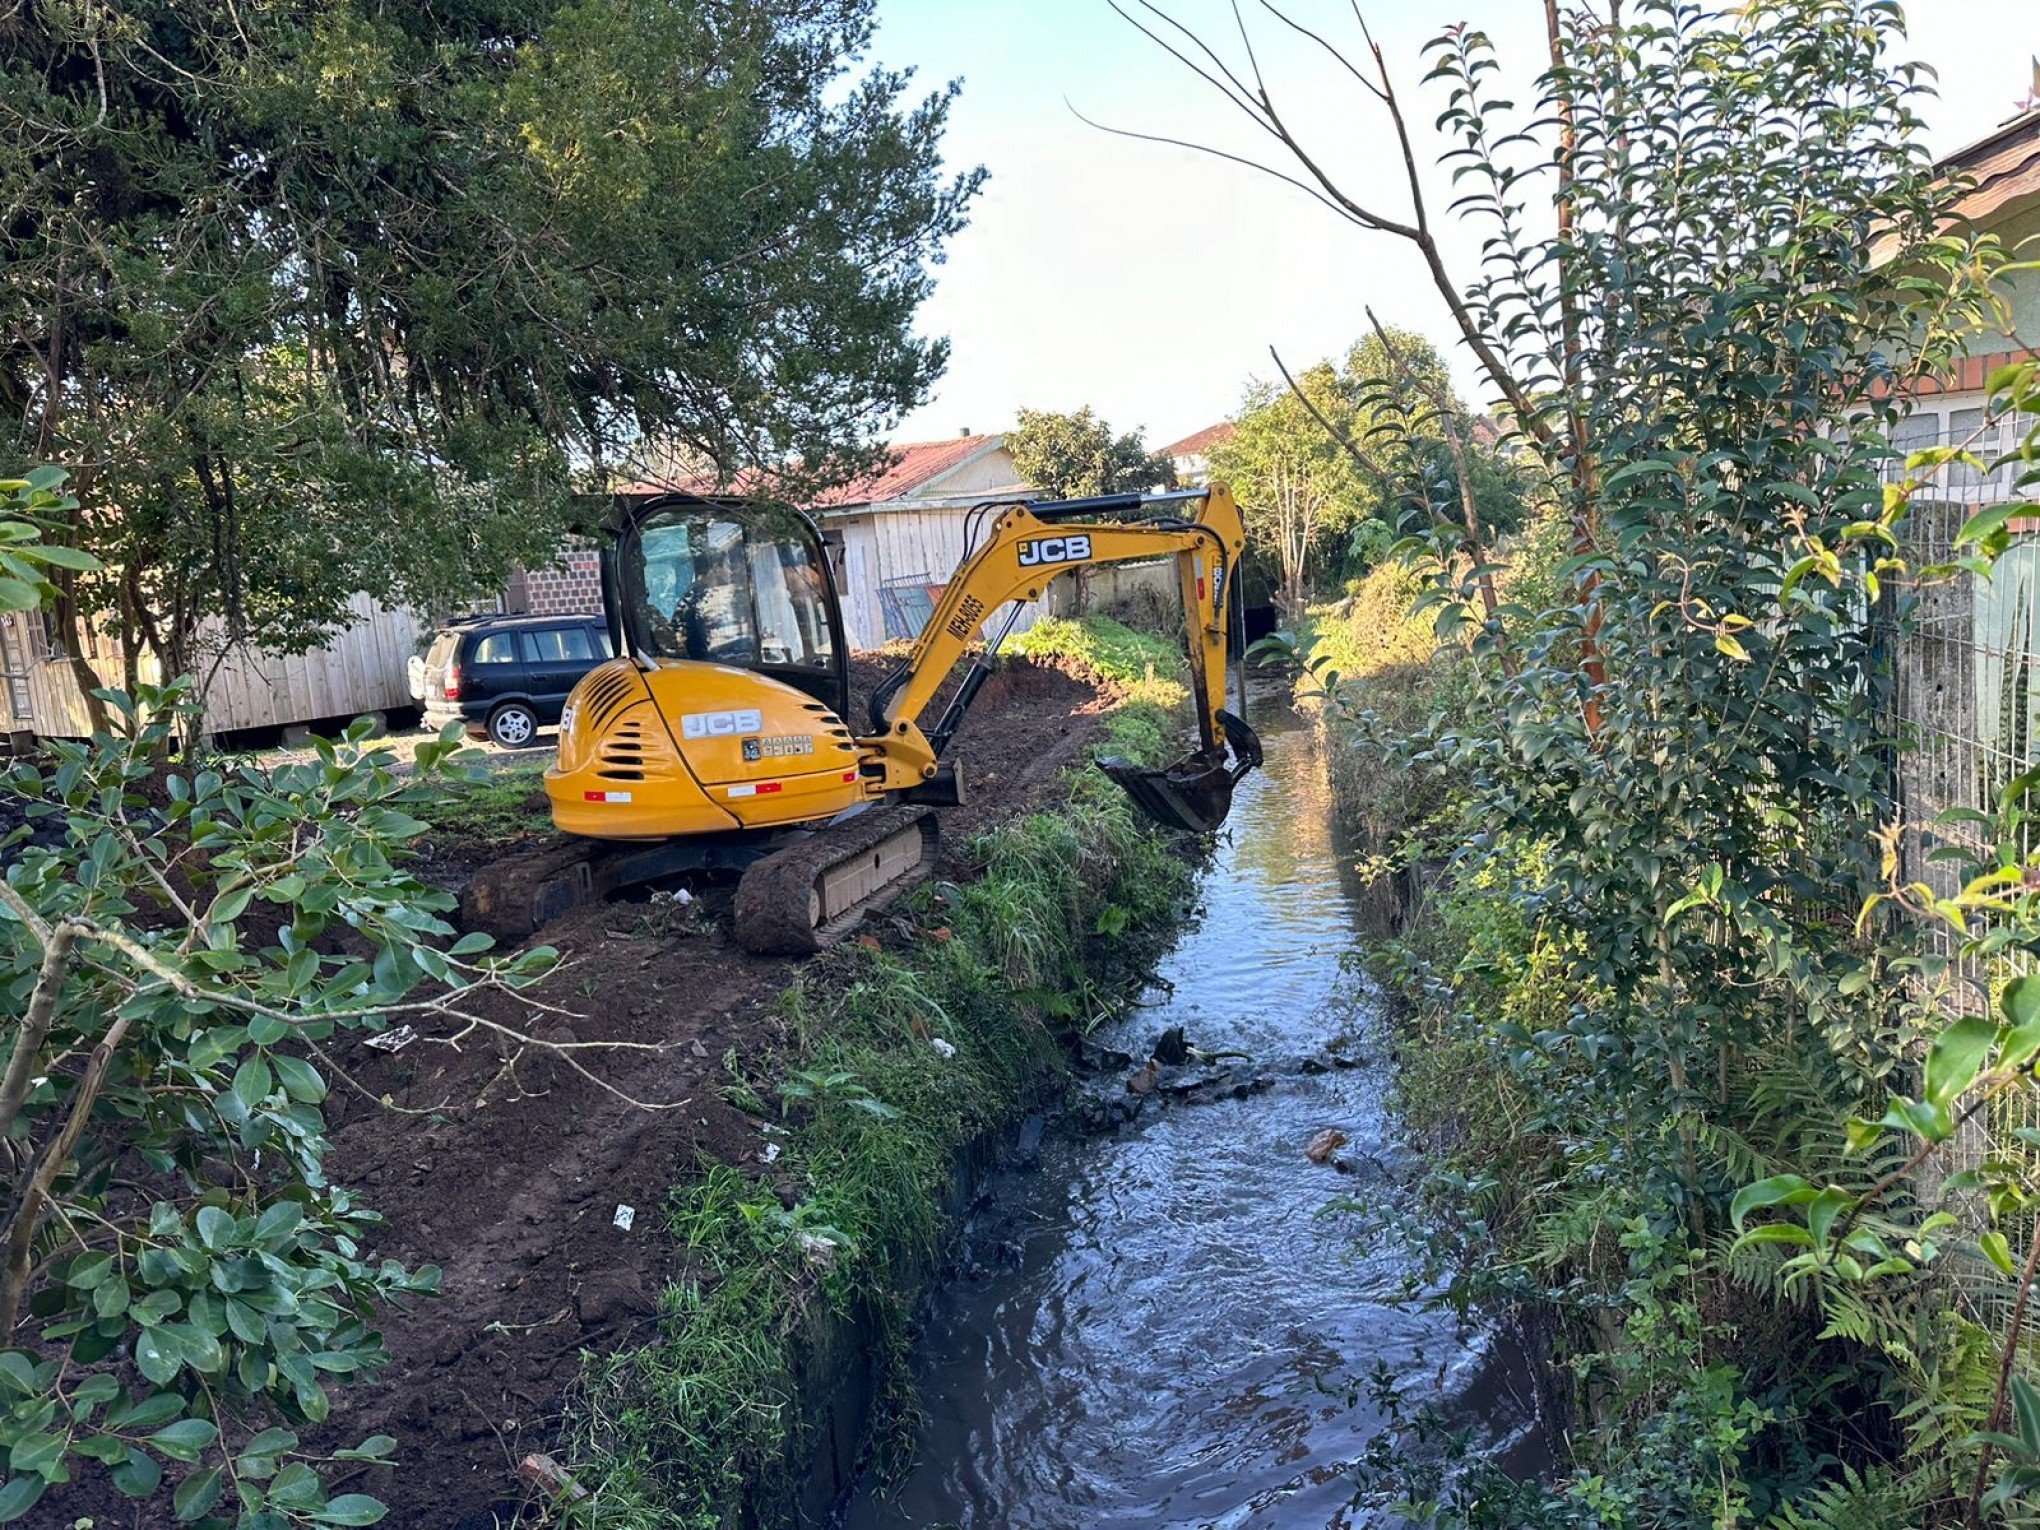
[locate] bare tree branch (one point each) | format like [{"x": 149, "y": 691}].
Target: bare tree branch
[{"x": 1318, "y": 181}]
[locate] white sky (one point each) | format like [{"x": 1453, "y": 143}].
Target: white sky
[{"x": 1149, "y": 281}]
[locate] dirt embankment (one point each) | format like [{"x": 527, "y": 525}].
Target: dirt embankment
[{"x": 511, "y": 1179}]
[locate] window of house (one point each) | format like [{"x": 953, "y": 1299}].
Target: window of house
[
  {"x": 1918, "y": 430},
  {"x": 1965, "y": 429}
]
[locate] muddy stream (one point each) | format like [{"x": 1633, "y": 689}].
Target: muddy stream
[{"x": 1163, "y": 1324}]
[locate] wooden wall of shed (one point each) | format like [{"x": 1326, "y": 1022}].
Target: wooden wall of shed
[
  {"x": 364, "y": 669},
  {"x": 885, "y": 545}
]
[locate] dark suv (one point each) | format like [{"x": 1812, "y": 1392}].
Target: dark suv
[{"x": 507, "y": 676}]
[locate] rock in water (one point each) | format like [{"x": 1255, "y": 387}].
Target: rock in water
[
  {"x": 1324, "y": 1144},
  {"x": 1171, "y": 1048}
]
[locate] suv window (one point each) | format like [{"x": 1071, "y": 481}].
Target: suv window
[
  {"x": 496, "y": 648},
  {"x": 558, "y": 645}
]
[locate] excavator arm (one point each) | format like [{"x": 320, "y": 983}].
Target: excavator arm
[{"x": 1022, "y": 550}]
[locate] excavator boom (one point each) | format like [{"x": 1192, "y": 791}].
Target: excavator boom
[{"x": 1018, "y": 551}]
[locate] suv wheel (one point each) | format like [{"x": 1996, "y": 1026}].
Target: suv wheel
[{"x": 513, "y": 725}]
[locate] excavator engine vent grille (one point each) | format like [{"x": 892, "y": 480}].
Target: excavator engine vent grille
[
  {"x": 831, "y": 727},
  {"x": 609, "y": 694},
  {"x": 627, "y": 750}
]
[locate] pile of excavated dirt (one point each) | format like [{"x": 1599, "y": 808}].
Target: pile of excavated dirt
[{"x": 510, "y": 1178}]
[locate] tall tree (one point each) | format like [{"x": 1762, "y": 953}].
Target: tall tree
[
  {"x": 337, "y": 295},
  {"x": 1295, "y": 484},
  {"x": 1070, "y": 456},
  {"x": 1333, "y": 465}
]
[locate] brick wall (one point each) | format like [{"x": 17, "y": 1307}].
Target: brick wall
[{"x": 571, "y": 585}]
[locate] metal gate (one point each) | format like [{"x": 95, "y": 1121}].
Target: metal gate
[{"x": 14, "y": 677}]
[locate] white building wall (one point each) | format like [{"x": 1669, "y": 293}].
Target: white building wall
[{"x": 364, "y": 669}]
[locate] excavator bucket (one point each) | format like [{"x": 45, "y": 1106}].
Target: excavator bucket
[{"x": 1195, "y": 793}]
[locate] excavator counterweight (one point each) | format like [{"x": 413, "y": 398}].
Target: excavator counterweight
[{"x": 719, "y": 735}]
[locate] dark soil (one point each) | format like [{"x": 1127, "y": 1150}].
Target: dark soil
[{"x": 510, "y": 1177}]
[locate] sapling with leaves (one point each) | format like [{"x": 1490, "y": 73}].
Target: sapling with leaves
[
  {"x": 182, "y": 949},
  {"x": 29, "y": 507}
]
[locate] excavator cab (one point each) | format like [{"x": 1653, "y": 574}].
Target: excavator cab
[{"x": 726, "y": 581}]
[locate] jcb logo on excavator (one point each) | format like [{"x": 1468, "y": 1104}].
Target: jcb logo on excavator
[
  {"x": 721, "y": 724},
  {"x": 1073, "y": 549}
]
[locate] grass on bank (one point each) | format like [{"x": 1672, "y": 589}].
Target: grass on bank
[
  {"x": 1144, "y": 669},
  {"x": 683, "y": 1431},
  {"x": 472, "y": 817}
]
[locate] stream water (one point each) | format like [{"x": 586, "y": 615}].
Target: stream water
[{"x": 1164, "y": 1325}]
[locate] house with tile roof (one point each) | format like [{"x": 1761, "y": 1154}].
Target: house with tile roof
[
  {"x": 1192, "y": 454},
  {"x": 896, "y": 535}
]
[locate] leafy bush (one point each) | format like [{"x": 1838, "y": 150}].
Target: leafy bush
[{"x": 180, "y": 1281}]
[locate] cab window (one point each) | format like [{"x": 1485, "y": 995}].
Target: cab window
[{"x": 703, "y": 583}]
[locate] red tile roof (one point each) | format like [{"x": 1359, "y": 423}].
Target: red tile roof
[
  {"x": 1201, "y": 444},
  {"x": 911, "y": 465},
  {"x": 907, "y": 467}
]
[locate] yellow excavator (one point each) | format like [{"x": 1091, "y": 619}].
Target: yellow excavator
[{"x": 719, "y": 736}]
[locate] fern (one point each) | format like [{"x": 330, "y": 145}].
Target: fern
[{"x": 1876, "y": 1499}]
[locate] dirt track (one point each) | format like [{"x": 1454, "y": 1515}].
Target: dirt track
[{"x": 511, "y": 1182}]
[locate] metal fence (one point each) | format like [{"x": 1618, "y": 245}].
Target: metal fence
[{"x": 1966, "y": 710}]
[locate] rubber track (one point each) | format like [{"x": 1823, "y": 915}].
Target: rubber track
[
  {"x": 516, "y": 894},
  {"x": 774, "y": 898}
]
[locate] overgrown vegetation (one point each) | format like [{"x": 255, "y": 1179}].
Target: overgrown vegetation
[
  {"x": 1666, "y": 987},
  {"x": 906, "y": 1054}
]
